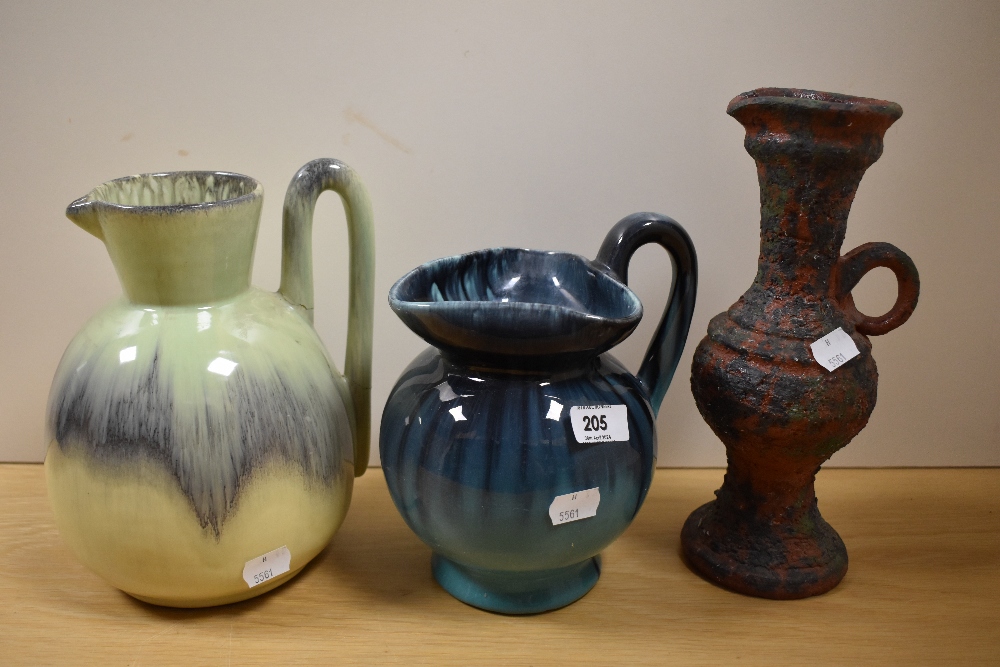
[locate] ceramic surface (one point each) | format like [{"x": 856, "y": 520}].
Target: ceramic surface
[
  {"x": 476, "y": 439},
  {"x": 199, "y": 423},
  {"x": 755, "y": 378}
]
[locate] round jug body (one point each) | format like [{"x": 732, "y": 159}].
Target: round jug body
[
  {"x": 484, "y": 463},
  {"x": 187, "y": 441}
]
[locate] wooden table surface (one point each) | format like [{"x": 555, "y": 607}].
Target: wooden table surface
[{"x": 923, "y": 588}]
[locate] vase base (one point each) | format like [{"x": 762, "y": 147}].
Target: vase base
[
  {"x": 762, "y": 563},
  {"x": 508, "y": 592}
]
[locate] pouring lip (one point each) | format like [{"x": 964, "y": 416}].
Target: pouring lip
[
  {"x": 398, "y": 302},
  {"x": 525, "y": 327},
  {"x": 256, "y": 192},
  {"x": 805, "y": 98}
]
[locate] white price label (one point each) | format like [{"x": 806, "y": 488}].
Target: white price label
[
  {"x": 834, "y": 349},
  {"x": 575, "y": 506},
  {"x": 599, "y": 423},
  {"x": 267, "y": 567}
]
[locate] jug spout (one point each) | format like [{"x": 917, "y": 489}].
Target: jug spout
[{"x": 84, "y": 214}]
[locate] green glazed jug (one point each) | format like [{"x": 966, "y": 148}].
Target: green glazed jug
[{"x": 202, "y": 446}]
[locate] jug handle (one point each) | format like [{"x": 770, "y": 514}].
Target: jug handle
[
  {"x": 852, "y": 267},
  {"x": 297, "y": 277},
  {"x": 665, "y": 349}
]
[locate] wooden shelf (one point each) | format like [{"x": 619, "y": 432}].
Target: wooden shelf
[{"x": 923, "y": 587}]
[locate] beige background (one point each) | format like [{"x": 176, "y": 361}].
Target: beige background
[{"x": 536, "y": 124}]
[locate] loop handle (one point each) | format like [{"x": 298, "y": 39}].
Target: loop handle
[
  {"x": 297, "y": 277},
  {"x": 665, "y": 349},
  {"x": 852, "y": 267}
]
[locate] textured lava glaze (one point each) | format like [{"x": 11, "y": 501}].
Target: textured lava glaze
[
  {"x": 198, "y": 423},
  {"x": 755, "y": 381},
  {"x": 476, "y": 437}
]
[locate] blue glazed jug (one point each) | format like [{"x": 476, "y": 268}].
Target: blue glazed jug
[{"x": 517, "y": 447}]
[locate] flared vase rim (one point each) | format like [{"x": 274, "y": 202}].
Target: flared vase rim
[
  {"x": 818, "y": 100},
  {"x": 256, "y": 192}
]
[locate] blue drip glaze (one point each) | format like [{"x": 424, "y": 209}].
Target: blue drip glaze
[
  {"x": 476, "y": 439},
  {"x": 477, "y": 490}
]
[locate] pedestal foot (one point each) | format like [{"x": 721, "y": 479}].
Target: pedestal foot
[
  {"x": 508, "y": 592},
  {"x": 764, "y": 558}
]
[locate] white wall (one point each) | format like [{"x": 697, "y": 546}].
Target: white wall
[{"x": 535, "y": 124}]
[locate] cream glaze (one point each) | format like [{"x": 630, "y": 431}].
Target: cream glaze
[{"x": 138, "y": 532}]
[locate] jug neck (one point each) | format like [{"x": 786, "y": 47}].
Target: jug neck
[
  {"x": 519, "y": 365},
  {"x": 812, "y": 149},
  {"x": 803, "y": 221},
  {"x": 179, "y": 239}
]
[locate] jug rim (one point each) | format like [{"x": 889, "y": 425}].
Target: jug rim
[
  {"x": 394, "y": 296},
  {"x": 255, "y": 190},
  {"x": 524, "y": 328}
]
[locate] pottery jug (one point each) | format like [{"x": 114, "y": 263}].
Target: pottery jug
[
  {"x": 201, "y": 444},
  {"x": 517, "y": 447},
  {"x": 768, "y": 378}
]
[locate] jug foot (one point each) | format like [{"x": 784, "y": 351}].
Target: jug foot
[
  {"x": 508, "y": 592},
  {"x": 764, "y": 559},
  {"x": 194, "y": 603}
]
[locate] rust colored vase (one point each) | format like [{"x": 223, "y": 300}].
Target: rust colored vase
[{"x": 778, "y": 411}]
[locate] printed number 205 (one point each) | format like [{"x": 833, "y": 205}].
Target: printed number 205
[{"x": 595, "y": 423}]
